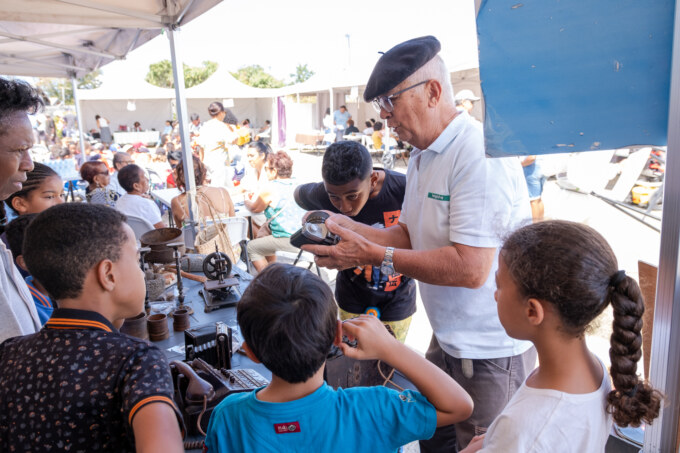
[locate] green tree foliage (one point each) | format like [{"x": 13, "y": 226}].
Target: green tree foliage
[
  {"x": 62, "y": 88},
  {"x": 160, "y": 74},
  {"x": 255, "y": 76},
  {"x": 302, "y": 73}
]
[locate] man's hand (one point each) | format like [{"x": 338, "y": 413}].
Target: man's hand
[
  {"x": 353, "y": 250},
  {"x": 373, "y": 339}
]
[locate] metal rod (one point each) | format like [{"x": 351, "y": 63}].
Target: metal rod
[
  {"x": 50, "y": 64},
  {"x": 662, "y": 435},
  {"x": 61, "y": 46},
  {"x": 152, "y": 18},
  {"x": 187, "y": 159},
  {"x": 74, "y": 84},
  {"x": 628, "y": 213}
]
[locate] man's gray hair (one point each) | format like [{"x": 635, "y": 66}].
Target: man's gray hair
[{"x": 435, "y": 69}]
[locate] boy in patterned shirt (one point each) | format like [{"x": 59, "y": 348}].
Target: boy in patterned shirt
[{"x": 78, "y": 384}]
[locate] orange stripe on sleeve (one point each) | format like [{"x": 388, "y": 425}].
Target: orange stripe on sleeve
[
  {"x": 35, "y": 293},
  {"x": 77, "y": 323},
  {"x": 148, "y": 400}
]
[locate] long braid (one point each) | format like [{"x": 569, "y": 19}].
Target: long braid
[{"x": 632, "y": 400}]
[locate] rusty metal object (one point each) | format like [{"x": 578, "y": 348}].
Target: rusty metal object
[
  {"x": 158, "y": 327},
  {"x": 181, "y": 320},
  {"x": 136, "y": 327},
  {"x": 157, "y": 240},
  {"x": 155, "y": 286}
]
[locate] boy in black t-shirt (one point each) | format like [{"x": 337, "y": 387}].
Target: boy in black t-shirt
[
  {"x": 351, "y": 186},
  {"x": 78, "y": 384}
]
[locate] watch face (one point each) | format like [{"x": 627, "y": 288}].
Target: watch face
[{"x": 386, "y": 270}]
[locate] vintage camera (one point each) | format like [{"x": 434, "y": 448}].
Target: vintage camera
[{"x": 314, "y": 231}]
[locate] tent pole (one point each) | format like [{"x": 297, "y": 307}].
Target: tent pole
[
  {"x": 662, "y": 435},
  {"x": 330, "y": 99},
  {"x": 74, "y": 84},
  {"x": 187, "y": 152}
]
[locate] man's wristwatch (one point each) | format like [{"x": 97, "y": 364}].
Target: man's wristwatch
[{"x": 387, "y": 267}]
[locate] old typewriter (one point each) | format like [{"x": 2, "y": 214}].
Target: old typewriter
[{"x": 205, "y": 378}]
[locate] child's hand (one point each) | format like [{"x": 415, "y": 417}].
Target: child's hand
[
  {"x": 475, "y": 444},
  {"x": 372, "y": 338}
]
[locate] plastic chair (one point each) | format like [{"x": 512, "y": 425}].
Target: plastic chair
[
  {"x": 237, "y": 228},
  {"x": 367, "y": 141},
  {"x": 139, "y": 225}
]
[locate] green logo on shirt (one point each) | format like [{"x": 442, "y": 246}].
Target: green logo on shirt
[{"x": 436, "y": 196}]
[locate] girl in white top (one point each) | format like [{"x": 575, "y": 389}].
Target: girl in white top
[{"x": 553, "y": 279}]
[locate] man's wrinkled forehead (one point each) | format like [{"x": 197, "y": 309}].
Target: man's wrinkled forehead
[{"x": 398, "y": 63}]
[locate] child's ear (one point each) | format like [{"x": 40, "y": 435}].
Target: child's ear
[
  {"x": 535, "y": 312},
  {"x": 338, "y": 334},
  {"x": 20, "y": 262},
  {"x": 374, "y": 179},
  {"x": 19, "y": 205},
  {"x": 249, "y": 352},
  {"x": 104, "y": 274}
]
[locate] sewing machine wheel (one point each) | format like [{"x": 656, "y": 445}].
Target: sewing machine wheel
[{"x": 211, "y": 265}]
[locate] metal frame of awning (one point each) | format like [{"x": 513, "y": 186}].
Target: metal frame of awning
[{"x": 77, "y": 24}]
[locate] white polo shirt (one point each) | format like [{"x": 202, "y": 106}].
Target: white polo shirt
[
  {"x": 138, "y": 206},
  {"x": 454, "y": 193}
]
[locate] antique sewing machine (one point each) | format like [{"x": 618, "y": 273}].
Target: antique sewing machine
[{"x": 221, "y": 288}]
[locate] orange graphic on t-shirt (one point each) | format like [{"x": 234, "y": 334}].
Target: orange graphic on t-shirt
[
  {"x": 393, "y": 282},
  {"x": 391, "y": 218}
]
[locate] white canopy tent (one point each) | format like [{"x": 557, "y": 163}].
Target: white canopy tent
[
  {"x": 116, "y": 97},
  {"x": 256, "y": 104},
  {"x": 70, "y": 38}
]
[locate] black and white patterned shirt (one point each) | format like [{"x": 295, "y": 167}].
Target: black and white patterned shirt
[{"x": 76, "y": 385}]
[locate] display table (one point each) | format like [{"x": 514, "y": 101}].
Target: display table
[{"x": 146, "y": 137}]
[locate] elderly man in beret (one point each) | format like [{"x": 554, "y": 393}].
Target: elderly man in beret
[{"x": 458, "y": 206}]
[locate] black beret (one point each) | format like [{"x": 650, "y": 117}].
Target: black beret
[{"x": 400, "y": 62}]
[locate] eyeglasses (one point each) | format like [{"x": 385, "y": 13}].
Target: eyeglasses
[
  {"x": 385, "y": 102},
  {"x": 268, "y": 168}
]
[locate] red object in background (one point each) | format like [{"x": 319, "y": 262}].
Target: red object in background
[{"x": 170, "y": 181}]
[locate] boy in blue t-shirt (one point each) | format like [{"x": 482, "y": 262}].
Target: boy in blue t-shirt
[{"x": 288, "y": 320}]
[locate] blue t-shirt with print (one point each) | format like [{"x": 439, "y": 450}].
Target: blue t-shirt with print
[{"x": 371, "y": 419}]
